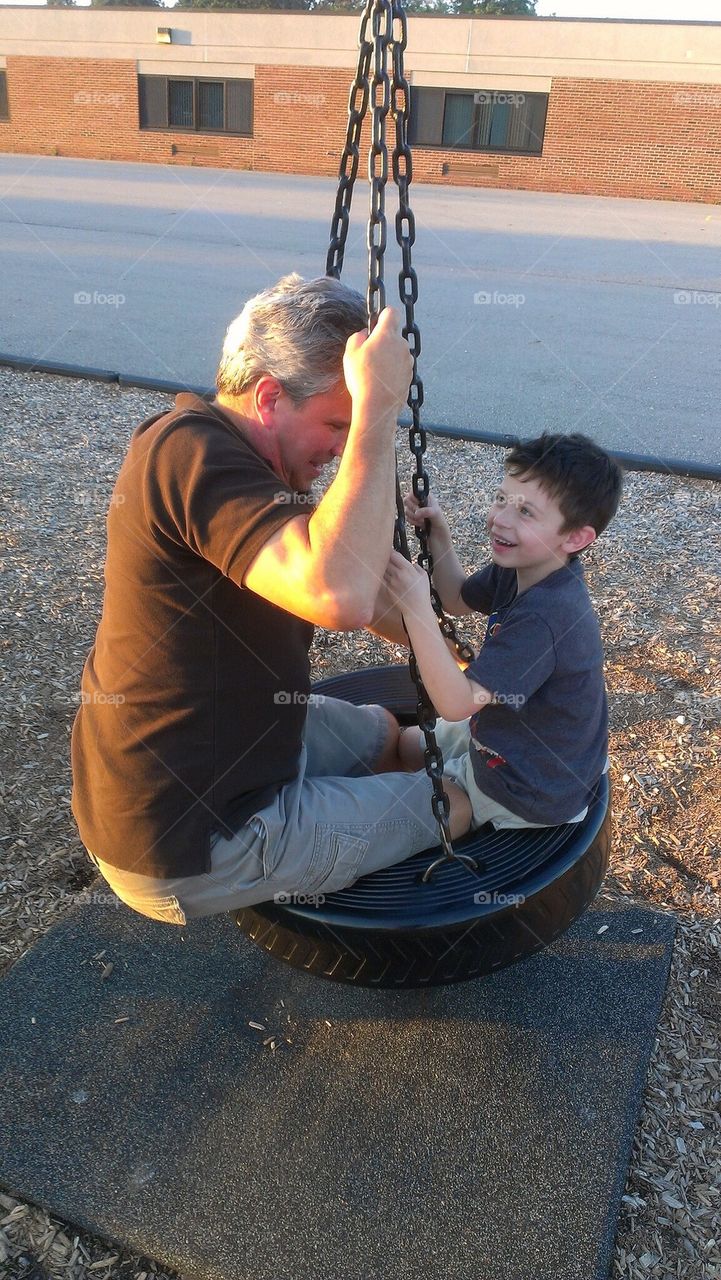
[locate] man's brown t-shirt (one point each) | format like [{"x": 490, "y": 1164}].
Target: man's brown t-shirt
[{"x": 194, "y": 694}]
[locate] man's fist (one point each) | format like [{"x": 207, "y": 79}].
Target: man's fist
[{"x": 378, "y": 368}]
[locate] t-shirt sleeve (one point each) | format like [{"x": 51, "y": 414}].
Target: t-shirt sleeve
[
  {"x": 217, "y": 496},
  {"x": 478, "y": 590},
  {"x": 516, "y": 661}
]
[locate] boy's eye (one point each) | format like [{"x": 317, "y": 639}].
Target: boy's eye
[{"x": 525, "y": 511}]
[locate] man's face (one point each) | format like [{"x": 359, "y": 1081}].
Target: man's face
[
  {"x": 310, "y": 435},
  {"x": 525, "y": 525}
]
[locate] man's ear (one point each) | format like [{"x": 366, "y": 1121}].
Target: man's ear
[
  {"x": 265, "y": 398},
  {"x": 578, "y": 539}
]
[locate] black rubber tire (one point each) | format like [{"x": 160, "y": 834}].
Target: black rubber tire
[{"x": 389, "y": 930}]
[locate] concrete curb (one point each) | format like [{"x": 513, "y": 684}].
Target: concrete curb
[{"x": 629, "y": 461}]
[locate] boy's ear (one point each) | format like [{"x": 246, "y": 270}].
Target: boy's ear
[{"x": 578, "y": 539}]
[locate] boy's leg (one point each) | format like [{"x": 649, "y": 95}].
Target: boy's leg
[
  {"x": 411, "y": 748},
  {"x": 461, "y": 815},
  {"x": 452, "y": 737}
]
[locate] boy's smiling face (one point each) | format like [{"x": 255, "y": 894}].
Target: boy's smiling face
[{"x": 525, "y": 525}]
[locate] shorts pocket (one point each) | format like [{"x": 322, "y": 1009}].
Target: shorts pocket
[
  {"x": 270, "y": 850},
  {"x": 337, "y": 858}
]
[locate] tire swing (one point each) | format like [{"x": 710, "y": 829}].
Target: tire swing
[{"x": 444, "y": 915}]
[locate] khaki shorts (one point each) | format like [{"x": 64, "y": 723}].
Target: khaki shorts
[
  {"x": 454, "y": 740},
  {"x": 335, "y": 822}
]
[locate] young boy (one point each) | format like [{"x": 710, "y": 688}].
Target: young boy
[{"x": 524, "y": 727}]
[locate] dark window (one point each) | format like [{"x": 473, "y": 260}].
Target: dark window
[
  {"x": 239, "y": 106},
  {"x": 491, "y": 120},
  {"x": 180, "y": 104},
  {"x": 208, "y": 106},
  {"x": 4, "y": 109},
  {"x": 153, "y": 92}
]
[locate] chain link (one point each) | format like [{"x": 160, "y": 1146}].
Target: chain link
[
  {"x": 348, "y": 171},
  {"x": 389, "y": 30}
]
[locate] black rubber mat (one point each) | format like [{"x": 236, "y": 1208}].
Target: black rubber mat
[{"x": 481, "y": 1130}]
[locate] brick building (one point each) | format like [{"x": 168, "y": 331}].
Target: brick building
[{"x": 604, "y": 107}]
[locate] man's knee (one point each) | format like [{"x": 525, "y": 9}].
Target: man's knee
[{"x": 389, "y": 761}]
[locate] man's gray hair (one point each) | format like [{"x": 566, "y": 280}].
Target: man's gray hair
[{"x": 296, "y": 331}]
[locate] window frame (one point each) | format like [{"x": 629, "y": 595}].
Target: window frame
[
  {"x": 475, "y": 147},
  {"x": 196, "y": 128},
  {"x": 4, "y": 96}
]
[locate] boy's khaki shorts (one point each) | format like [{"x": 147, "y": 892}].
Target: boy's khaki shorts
[{"x": 454, "y": 740}]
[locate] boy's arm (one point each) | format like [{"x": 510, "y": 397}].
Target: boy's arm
[
  {"x": 448, "y": 573},
  {"x": 454, "y": 695}
]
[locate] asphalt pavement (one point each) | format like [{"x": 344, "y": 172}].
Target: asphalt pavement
[{"x": 536, "y": 310}]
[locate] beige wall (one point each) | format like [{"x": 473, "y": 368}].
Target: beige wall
[{"x": 491, "y": 52}]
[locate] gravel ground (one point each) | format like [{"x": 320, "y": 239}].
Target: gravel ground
[{"x": 652, "y": 579}]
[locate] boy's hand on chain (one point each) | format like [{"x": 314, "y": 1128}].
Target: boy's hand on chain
[
  {"x": 415, "y": 514},
  {"x": 409, "y": 585}
]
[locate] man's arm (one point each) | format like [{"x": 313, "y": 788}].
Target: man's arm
[
  {"x": 328, "y": 567},
  {"x": 387, "y": 620}
]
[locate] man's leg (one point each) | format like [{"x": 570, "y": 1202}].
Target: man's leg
[
  {"x": 321, "y": 829},
  {"x": 389, "y": 761},
  {"x": 343, "y": 740},
  {"x": 324, "y": 834}
]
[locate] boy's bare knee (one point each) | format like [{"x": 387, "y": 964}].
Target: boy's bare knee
[
  {"x": 411, "y": 749},
  {"x": 461, "y": 813}
]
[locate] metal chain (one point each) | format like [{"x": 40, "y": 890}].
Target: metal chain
[
  {"x": 389, "y": 29},
  {"x": 380, "y": 97},
  {"x": 348, "y": 171},
  {"x": 408, "y": 290}
]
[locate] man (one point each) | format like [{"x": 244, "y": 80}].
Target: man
[{"x": 206, "y": 776}]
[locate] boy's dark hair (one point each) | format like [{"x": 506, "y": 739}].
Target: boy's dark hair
[{"x": 584, "y": 480}]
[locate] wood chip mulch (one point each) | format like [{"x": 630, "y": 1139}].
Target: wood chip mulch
[{"x": 654, "y": 579}]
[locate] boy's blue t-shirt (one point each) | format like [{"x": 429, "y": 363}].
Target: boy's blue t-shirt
[{"x": 541, "y": 748}]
